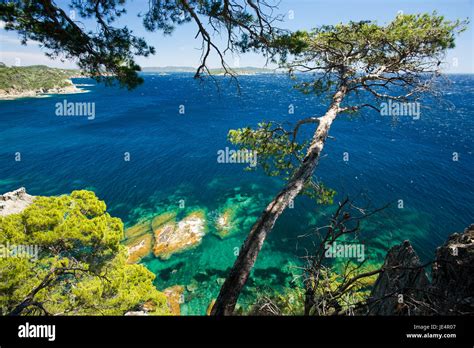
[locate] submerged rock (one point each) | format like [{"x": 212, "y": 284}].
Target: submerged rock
[
  {"x": 192, "y": 287},
  {"x": 138, "y": 230},
  {"x": 163, "y": 236},
  {"x": 173, "y": 237},
  {"x": 224, "y": 223},
  {"x": 174, "y": 298},
  {"x": 15, "y": 202},
  {"x": 238, "y": 213},
  {"x": 139, "y": 247},
  {"x": 138, "y": 241},
  {"x": 162, "y": 219}
]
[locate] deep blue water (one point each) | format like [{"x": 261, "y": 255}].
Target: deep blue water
[{"x": 173, "y": 157}]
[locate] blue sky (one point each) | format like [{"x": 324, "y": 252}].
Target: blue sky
[{"x": 182, "y": 49}]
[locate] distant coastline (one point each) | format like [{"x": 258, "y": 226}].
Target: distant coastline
[
  {"x": 36, "y": 81},
  {"x": 40, "y": 92},
  {"x": 40, "y": 80},
  {"x": 249, "y": 70}
]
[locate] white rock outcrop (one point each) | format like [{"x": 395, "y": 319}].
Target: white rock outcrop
[{"x": 15, "y": 202}]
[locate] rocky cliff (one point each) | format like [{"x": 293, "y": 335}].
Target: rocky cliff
[
  {"x": 36, "y": 80},
  {"x": 15, "y": 202},
  {"x": 453, "y": 274},
  {"x": 403, "y": 288}
]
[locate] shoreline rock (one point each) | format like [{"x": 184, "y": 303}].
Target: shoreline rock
[
  {"x": 404, "y": 289},
  {"x": 15, "y": 202},
  {"x": 402, "y": 277},
  {"x": 15, "y": 94},
  {"x": 452, "y": 274}
]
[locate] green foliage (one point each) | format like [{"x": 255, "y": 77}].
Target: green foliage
[
  {"x": 107, "y": 52},
  {"x": 80, "y": 268},
  {"x": 413, "y": 44},
  {"x": 275, "y": 149},
  {"x": 34, "y": 77},
  {"x": 292, "y": 300},
  {"x": 279, "y": 155},
  {"x": 391, "y": 61},
  {"x": 319, "y": 192},
  {"x": 408, "y": 35},
  {"x": 331, "y": 279}
]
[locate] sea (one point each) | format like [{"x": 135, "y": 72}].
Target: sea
[{"x": 155, "y": 149}]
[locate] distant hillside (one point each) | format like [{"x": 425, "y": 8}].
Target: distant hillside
[
  {"x": 167, "y": 69},
  {"x": 249, "y": 70},
  {"x": 170, "y": 69},
  {"x": 33, "y": 80}
]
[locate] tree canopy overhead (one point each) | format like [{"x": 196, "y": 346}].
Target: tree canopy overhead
[
  {"x": 405, "y": 53},
  {"x": 111, "y": 50}
]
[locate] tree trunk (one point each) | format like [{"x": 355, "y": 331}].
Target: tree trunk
[{"x": 248, "y": 253}]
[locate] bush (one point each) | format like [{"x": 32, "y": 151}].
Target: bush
[{"x": 80, "y": 267}]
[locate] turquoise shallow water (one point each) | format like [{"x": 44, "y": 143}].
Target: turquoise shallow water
[{"x": 173, "y": 158}]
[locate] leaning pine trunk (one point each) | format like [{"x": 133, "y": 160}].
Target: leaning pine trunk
[{"x": 248, "y": 253}]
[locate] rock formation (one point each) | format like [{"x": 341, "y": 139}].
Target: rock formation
[
  {"x": 138, "y": 241},
  {"x": 399, "y": 283},
  {"x": 453, "y": 274},
  {"x": 403, "y": 287},
  {"x": 174, "y": 296},
  {"x": 173, "y": 237},
  {"x": 224, "y": 223},
  {"x": 15, "y": 202},
  {"x": 139, "y": 247},
  {"x": 164, "y": 236}
]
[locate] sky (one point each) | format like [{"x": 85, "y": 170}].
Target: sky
[{"x": 183, "y": 49}]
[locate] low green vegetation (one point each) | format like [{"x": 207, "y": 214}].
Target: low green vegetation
[
  {"x": 330, "y": 301},
  {"x": 75, "y": 264},
  {"x": 34, "y": 77}
]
